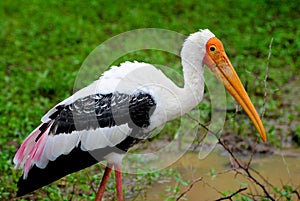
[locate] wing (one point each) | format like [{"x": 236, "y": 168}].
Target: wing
[{"x": 98, "y": 124}]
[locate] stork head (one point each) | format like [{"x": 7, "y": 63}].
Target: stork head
[{"x": 215, "y": 58}]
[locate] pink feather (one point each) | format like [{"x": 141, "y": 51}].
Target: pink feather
[{"x": 31, "y": 150}]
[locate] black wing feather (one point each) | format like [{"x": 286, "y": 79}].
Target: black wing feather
[{"x": 91, "y": 112}]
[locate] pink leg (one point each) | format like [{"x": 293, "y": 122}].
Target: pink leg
[
  {"x": 103, "y": 183},
  {"x": 118, "y": 173}
]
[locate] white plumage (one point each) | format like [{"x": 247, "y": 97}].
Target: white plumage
[
  {"x": 128, "y": 78},
  {"x": 150, "y": 100}
]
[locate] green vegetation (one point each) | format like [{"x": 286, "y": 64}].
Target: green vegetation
[{"x": 43, "y": 44}]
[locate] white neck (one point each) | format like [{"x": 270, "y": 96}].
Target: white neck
[
  {"x": 178, "y": 101},
  {"x": 192, "y": 92},
  {"x": 192, "y": 54}
]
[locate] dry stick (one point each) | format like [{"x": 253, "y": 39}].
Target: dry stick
[
  {"x": 264, "y": 109},
  {"x": 251, "y": 156},
  {"x": 202, "y": 125},
  {"x": 233, "y": 194},
  {"x": 266, "y": 78},
  {"x": 246, "y": 170},
  {"x": 264, "y": 179},
  {"x": 297, "y": 193},
  {"x": 286, "y": 166},
  {"x": 189, "y": 188},
  {"x": 214, "y": 188}
]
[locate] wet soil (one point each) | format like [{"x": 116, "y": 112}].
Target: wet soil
[{"x": 217, "y": 176}]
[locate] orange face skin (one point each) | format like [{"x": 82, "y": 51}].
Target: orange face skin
[
  {"x": 215, "y": 50},
  {"x": 218, "y": 62}
]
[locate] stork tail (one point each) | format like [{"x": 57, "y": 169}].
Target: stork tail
[{"x": 31, "y": 149}]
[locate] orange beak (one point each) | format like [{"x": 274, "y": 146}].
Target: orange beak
[{"x": 218, "y": 62}]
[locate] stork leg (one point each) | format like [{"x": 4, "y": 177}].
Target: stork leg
[
  {"x": 103, "y": 183},
  {"x": 118, "y": 173}
]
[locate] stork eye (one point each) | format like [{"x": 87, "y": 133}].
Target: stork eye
[{"x": 212, "y": 48}]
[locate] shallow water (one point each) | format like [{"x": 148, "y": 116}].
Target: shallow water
[{"x": 280, "y": 169}]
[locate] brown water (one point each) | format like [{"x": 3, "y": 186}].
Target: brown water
[{"x": 278, "y": 169}]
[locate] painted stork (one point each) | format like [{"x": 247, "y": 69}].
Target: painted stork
[{"x": 120, "y": 109}]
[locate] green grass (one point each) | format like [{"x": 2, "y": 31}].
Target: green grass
[{"x": 43, "y": 44}]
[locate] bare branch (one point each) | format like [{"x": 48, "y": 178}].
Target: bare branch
[
  {"x": 286, "y": 165},
  {"x": 297, "y": 193},
  {"x": 231, "y": 195},
  {"x": 198, "y": 122},
  {"x": 243, "y": 168},
  {"x": 246, "y": 170},
  {"x": 189, "y": 188},
  {"x": 251, "y": 156},
  {"x": 212, "y": 187},
  {"x": 266, "y": 78}
]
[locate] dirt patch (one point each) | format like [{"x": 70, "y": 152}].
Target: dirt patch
[{"x": 246, "y": 146}]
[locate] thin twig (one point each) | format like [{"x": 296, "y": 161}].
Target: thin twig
[
  {"x": 198, "y": 122},
  {"x": 189, "y": 188},
  {"x": 231, "y": 195},
  {"x": 212, "y": 187},
  {"x": 203, "y": 126},
  {"x": 266, "y": 78},
  {"x": 251, "y": 156},
  {"x": 286, "y": 165},
  {"x": 263, "y": 178},
  {"x": 297, "y": 193},
  {"x": 246, "y": 170}
]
